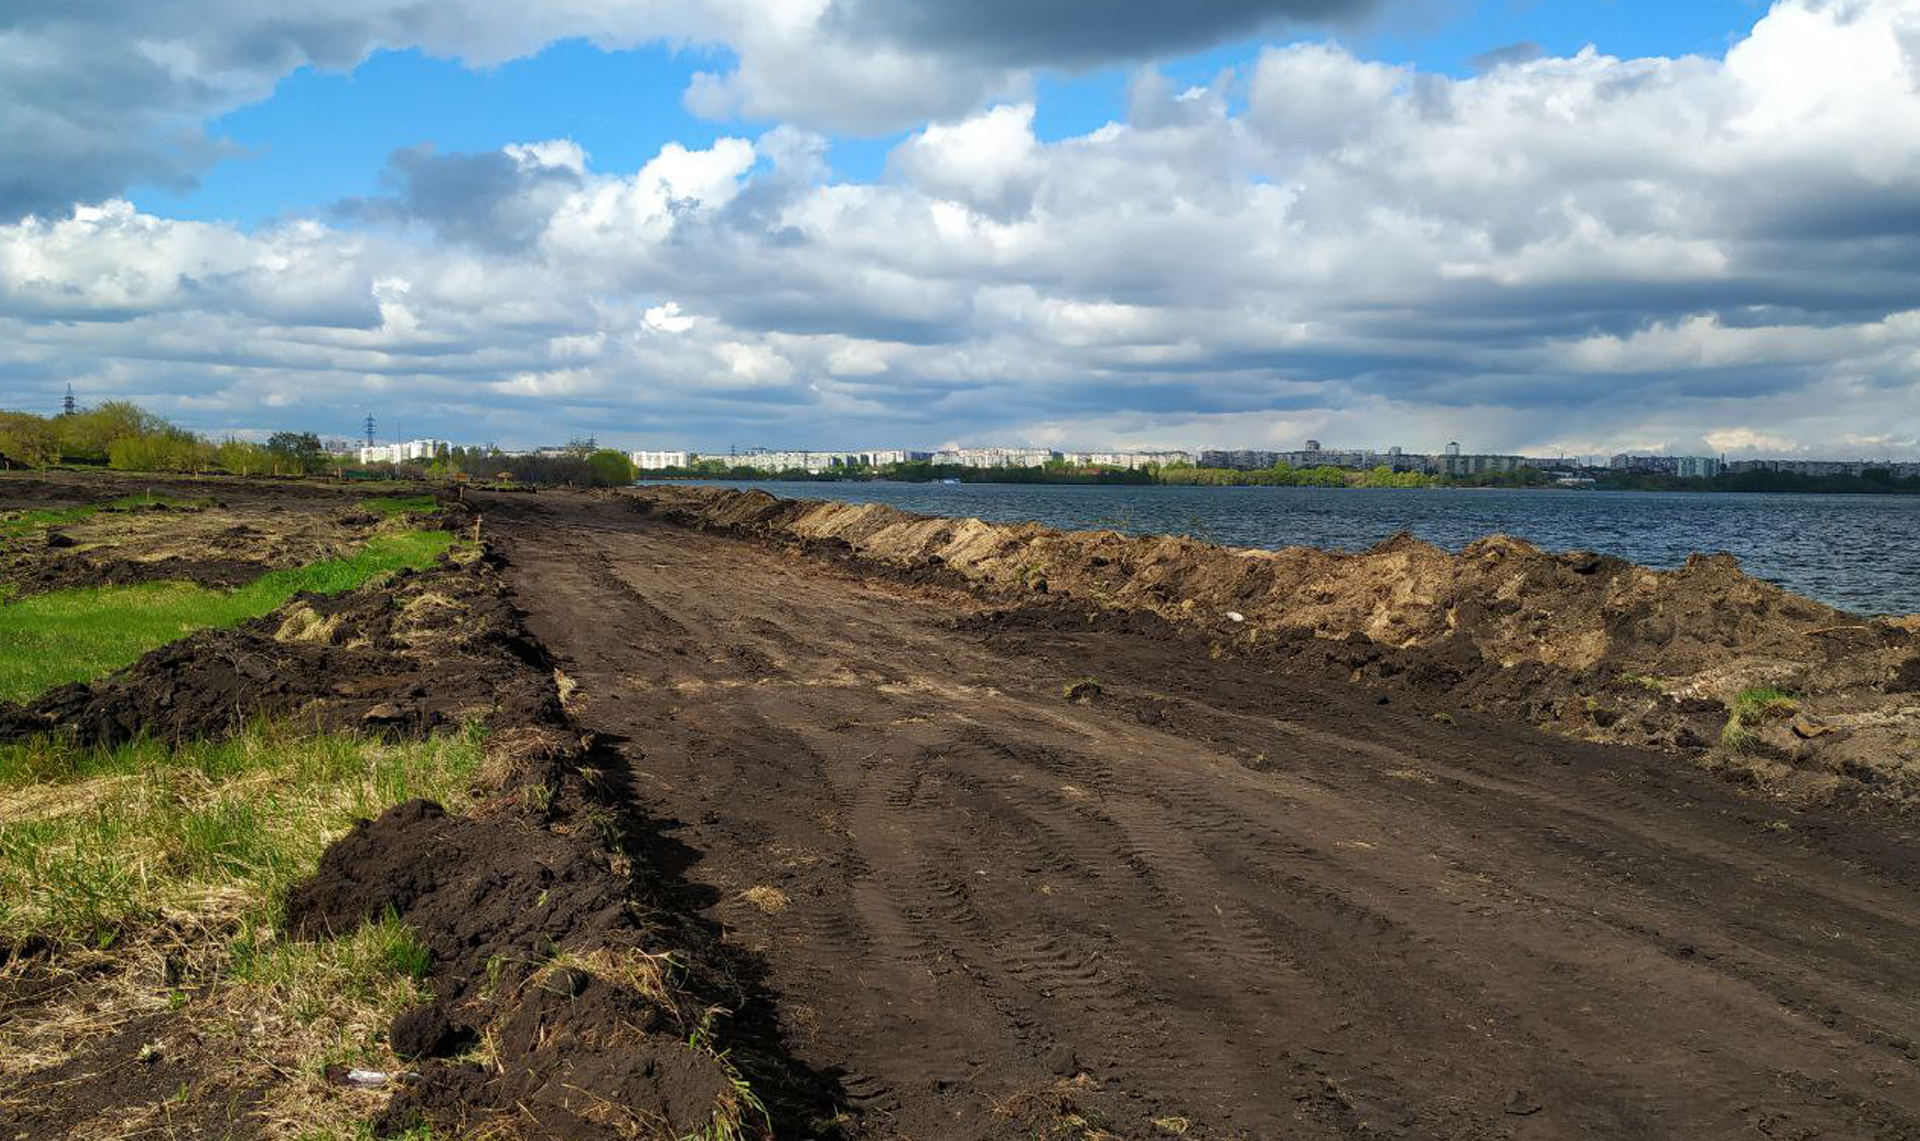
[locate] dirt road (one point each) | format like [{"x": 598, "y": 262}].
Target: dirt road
[{"x": 1211, "y": 898}]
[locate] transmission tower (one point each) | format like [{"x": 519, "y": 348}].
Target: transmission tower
[
  {"x": 369, "y": 429},
  {"x": 69, "y": 406}
]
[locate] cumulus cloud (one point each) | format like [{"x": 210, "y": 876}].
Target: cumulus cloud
[
  {"x": 501, "y": 199},
  {"x": 1570, "y": 253},
  {"x": 97, "y": 96}
]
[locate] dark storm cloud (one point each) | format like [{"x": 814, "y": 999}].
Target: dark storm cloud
[{"x": 1076, "y": 32}]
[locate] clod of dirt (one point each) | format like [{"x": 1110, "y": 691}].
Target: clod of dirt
[
  {"x": 601, "y": 1062},
  {"x": 1083, "y": 691},
  {"x": 427, "y": 1032},
  {"x": 1906, "y": 677}
]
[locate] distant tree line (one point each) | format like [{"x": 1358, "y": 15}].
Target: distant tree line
[
  {"x": 1872, "y": 481},
  {"x": 125, "y": 437}
]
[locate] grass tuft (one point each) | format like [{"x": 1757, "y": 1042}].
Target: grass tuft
[
  {"x": 78, "y": 635},
  {"x": 1750, "y": 708},
  {"x": 1641, "y": 681}
]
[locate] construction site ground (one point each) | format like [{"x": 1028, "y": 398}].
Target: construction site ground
[{"x": 1034, "y": 871}]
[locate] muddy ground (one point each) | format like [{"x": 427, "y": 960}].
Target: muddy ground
[
  {"x": 968, "y": 861},
  {"x": 1017, "y": 873}
]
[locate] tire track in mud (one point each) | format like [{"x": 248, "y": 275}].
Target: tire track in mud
[{"x": 1261, "y": 903}]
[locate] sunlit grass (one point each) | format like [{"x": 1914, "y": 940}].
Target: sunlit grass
[
  {"x": 82, "y": 634},
  {"x": 1749, "y": 709},
  {"x": 95, "y": 842},
  {"x": 158, "y": 876}
]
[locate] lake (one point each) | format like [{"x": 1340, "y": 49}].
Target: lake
[{"x": 1857, "y": 552}]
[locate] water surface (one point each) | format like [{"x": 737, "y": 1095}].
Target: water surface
[{"x": 1859, "y": 552}]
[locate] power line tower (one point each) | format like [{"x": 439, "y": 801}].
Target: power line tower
[
  {"x": 69, "y": 406},
  {"x": 369, "y": 429}
]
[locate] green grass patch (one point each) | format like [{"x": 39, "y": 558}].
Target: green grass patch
[
  {"x": 1750, "y": 708},
  {"x": 79, "y": 635},
  {"x": 97, "y": 842},
  {"x": 391, "y": 505}
]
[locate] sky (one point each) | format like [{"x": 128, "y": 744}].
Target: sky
[{"x": 1538, "y": 226}]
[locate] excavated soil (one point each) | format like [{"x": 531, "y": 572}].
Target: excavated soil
[
  {"x": 1584, "y": 644},
  {"x": 218, "y": 533},
  {"x": 968, "y": 858},
  {"x": 1016, "y": 872},
  {"x": 556, "y": 867}
]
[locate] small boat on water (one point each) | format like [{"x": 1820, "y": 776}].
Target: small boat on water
[{"x": 953, "y": 481}]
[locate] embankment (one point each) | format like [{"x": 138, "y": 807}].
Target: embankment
[{"x": 1764, "y": 685}]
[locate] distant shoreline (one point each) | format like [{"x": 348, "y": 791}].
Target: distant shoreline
[{"x": 1777, "y": 484}]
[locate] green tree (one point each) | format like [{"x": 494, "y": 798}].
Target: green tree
[
  {"x": 169, "y": 450},
  {"x": 88, "y": 437},
  {"x": 242, "y": 458},
  {"x": 27, "y": 440},
  {"x": 296, "y": 452},
  {"x": 607, "y": 468}
]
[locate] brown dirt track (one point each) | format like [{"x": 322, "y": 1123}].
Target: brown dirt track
[{"x": 1212, "y": 895}]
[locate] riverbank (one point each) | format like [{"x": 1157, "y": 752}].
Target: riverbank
[
  {"x": 1758, "y": 482},
  {"x": 1579, "y": 643}
]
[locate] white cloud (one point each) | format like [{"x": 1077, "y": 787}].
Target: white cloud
[
  {"x": 668, "y": 318},
  {"x": 989, "y": 163},
  {"x": 1563, "y": 252},
  {"x": 1747, "y": 440},
  {"x": 560, "y": 154}
]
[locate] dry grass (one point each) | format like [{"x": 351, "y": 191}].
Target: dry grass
[
  {"x": 646, "y": 973},
  {"x": 261, "y": 1032},
  {"x": 158, "y": 873},
  {"x": 770, "y": 900},
  {"x": 98, "y": 843}
]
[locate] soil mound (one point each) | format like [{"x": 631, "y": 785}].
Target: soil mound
[
  {"x": 1584, "y": 643},
  {"x": 582, "y": 1058},
  {"x": 504, "y": 903},
  {"x": 493, "y": 887}
]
